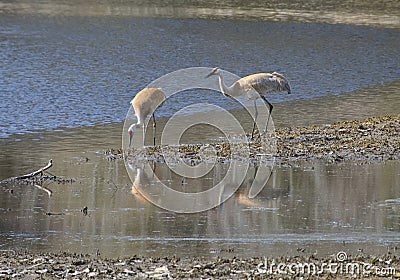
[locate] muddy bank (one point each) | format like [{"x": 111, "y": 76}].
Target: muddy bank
[
  {"x": 376, "y": 138},
  {"x": 75, "y": 266}
]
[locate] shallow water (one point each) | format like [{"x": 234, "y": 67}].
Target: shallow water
[
  {"x": 68, "y": 73},
  {"x": 322, "y": 208}
]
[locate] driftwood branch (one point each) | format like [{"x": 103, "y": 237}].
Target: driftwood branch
[
  {"x": 37, "y": 172},
  {"x": 32, "y": 174}
]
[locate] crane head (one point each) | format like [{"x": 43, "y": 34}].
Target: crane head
[{"x": 215, "y": 71}]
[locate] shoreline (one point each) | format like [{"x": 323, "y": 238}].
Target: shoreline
[
  {"x": 80, "y": 266},
  {"x": 363, "y": 141},
  {"x": 380, "y": 19}
]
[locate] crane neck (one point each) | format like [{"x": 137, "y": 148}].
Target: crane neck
[
  {"x": 138, "y": 122},
  {"x": 232, "y": 91},
  {"x": 224, "y": 88}
]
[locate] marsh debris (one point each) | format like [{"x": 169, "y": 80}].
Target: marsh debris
[
  {"x": 113, "y": 154},
  {"x": 37, "y": 179},
  {"x": 375, "y": 138},
  {"x": 84, "y": 266},
  {"x": 85, "y": 211}
]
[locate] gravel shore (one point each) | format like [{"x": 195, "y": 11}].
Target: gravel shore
[
  {"x": 24, "y": 265},
  {"x": 375, "y": 138}
]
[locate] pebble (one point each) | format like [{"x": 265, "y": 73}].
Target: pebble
[{"x": 45, "y": 265}]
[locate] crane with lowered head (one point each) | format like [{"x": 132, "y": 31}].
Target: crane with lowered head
[{"x": 144, "y": 104}]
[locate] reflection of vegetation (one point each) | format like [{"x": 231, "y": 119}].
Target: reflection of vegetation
[{"x": 388, "y": 7}]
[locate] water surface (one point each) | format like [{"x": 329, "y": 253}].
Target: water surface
[
  {"x": 69, "y": 69},
  {"x": 323, "y": 208},
  {"x": 80, "y": 70}
]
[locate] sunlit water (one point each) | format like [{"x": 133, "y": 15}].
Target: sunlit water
[
  {"x": 78, "y": 70},
  {"x": 68, "y": 74},
  {"x": 317, "y": 207}
]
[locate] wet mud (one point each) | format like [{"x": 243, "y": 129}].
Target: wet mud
[
  {"x": 372, "y": 139},
  {"x": 23, "y": 265}
]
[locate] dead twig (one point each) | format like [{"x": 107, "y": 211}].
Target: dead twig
[
  {"x": 37, "y": 172},
  {"x": 36, "y": 183},
  {"x": 32, "y": 174}
]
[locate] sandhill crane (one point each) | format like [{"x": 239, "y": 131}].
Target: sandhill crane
[
  {"x": 262, "y": 83},
  {"x": 144, "y": 104}
]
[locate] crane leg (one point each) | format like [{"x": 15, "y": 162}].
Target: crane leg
[
  {"x": 270, "y": 111},
  {"x": 154, "y": 129},
  {"x": 255, "y": 119}
]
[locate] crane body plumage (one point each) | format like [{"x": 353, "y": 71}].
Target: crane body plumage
[
  {"x": 262, "y": 83},
  {"x": 144, "y": 104}
]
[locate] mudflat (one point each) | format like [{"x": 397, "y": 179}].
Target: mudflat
[
  {"x": 24, "y": 265},
  {"x": 375, "y": 138}
]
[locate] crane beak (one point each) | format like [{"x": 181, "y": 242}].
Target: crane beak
[
  {"x": 210, "y": 74},
  {"x": 213, "y": 72}
]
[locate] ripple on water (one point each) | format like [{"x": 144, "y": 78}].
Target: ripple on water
[{"x": 81, "y": 71}]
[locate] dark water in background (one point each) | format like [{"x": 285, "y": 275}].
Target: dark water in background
[
  {"x": 76, "y": 69},
  {"x": 68, "y": 71}
]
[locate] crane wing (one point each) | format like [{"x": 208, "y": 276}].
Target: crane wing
[{"x": 265, "y": 82}]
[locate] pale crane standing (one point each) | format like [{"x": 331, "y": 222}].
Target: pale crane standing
[
  {"x": 144, "y": 104},
  {"x": 262, "y": 83}
]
